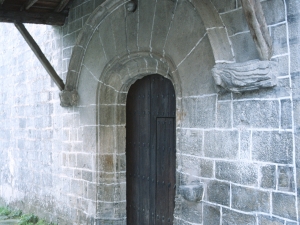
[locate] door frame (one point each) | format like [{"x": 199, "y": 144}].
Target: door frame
[{"x": 111, "y": 122}]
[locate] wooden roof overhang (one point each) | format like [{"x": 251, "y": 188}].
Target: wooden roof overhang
[{"x": 50, "y": 12}]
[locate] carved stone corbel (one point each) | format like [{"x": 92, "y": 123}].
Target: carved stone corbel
[
  {"x": 248, "y": 76},
  {"x": 68, "y": 98},
  {"x": 258, "y": 27},
  {"x": 191, "y": 193}
]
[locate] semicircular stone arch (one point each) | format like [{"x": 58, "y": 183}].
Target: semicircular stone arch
[{"x": 117, "y": 47}]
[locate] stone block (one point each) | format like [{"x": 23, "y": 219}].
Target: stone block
[
  {"x": 105, "y": 34},
  {"x": 192, "y": 212},
  {"x": 296, "y": 109},
  {"x": 107, "y": 115},
  {"x": 199, "y": 112},
  {"x": 85, "y": 161},
  {"x": 224, "y": 114},
  {"x": 197, "y": 167},
  {"x": 245, "y": 143},
  {"x": 107, "y": 139},
  {"x": 118, "y": 25},
  {"x": 191, "y": 141},
  {"x": 267, "y": 220},
  {"x": 221, "y": 144},
  {"x": 201, "y": 58},
  {"x": 286, "y": 114},
  {"x": 244, "y": 47},
  {"x": 176, "y": 44},
  {"x": 258, "y": 114},
  {"x": 230, "y": 217},
  {"x": 89, "y": 138},
  {"x": 272, "y": 146},
  {"x": 76, "y": 187},
  {"x": 276, "y": 14},
  {"x": 218, "y": 192},
  {"x": 224, "y": 6},
  {"x": 237, "y": 172},
  {"x": 162, "y": 22},
  {"x": 286, "y": 179},
  {"x": 211, "y": 214},
  {"x": 268, "y": 176},
  {"x": 107, "y": 163},
  {"x": 249, "y": 199},
  {"x": 145, "y": 10},
  {"x": 279, "y": 36},
  {"x": 132, "y": 31},
  {"x": 87, "y": 175},
  {"x": 284, "y": 205},
  {"x": 232, "y": 24},
  {"x": 106, "y": 192}
]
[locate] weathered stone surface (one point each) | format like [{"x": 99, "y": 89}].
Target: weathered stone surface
[
  {"x": 197, "y": 166},
  {"x": 268, "y": 176},
  {"x": 279, "y": 34},
  {"x": 286, "y": 114},
  {"x": 217, "y": 144},
  {"x": 249, "y": 76},
  {"x": 237, "y": 172},
  {"x": 235, "y": 26},
  {"x": 286, "y": 178},
  {"x": 245, "y": 144},
  {"x": 218, "y": 192},
  {"x": 250, "y": 200},
  {"x": 68, "y": 98},
  {"x": 211, "y": 214},
  {"x": 230, "y": 217},
  {"x": 224, "y": 115},
  {"x": 192, "y": 193},
  {"x": 199, "y": 112},
  {"x": 272, "y": 146},
  {"x": 284, "y": 205},
  {"x": 258, "y": 114},
  {"x": 192, "y": 212},
  {"x": 266, "y": 220},
  {"x": 191, "y": 141},
  {"x": 244, "y": 43}
]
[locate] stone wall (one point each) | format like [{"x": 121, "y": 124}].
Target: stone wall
[{"x": 68, "y": 164}]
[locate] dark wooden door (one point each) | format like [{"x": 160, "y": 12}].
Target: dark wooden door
[{"x": 150, "y": 151}]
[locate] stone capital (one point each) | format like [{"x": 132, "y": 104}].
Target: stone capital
[{"x": 68, "y": 98}]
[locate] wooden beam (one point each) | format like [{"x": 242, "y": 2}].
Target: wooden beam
[
  {"x": 32, "y": 17},
  {"x": 41, "y": 57},
  {"x": 61, "y": 5},
  {"x": 30, "y": 3},
  {"x": 258, "y": 27}
]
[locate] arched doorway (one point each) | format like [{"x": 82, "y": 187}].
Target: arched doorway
[{"x": 150, "y": 151}]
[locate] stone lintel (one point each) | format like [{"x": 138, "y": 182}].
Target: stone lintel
[{"x": 247, "y": 76}]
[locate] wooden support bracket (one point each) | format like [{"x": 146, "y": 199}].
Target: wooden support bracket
[
  {"x": 39, "y": 54},
  {"x": 24, "y": 16},
  {"x": 30, "y": 3},
  {"x": 61, "y": 5},
  {"x": 258, "y": 27}
]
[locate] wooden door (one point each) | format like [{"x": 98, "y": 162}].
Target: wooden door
[{"x": 150, "y": 151}]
